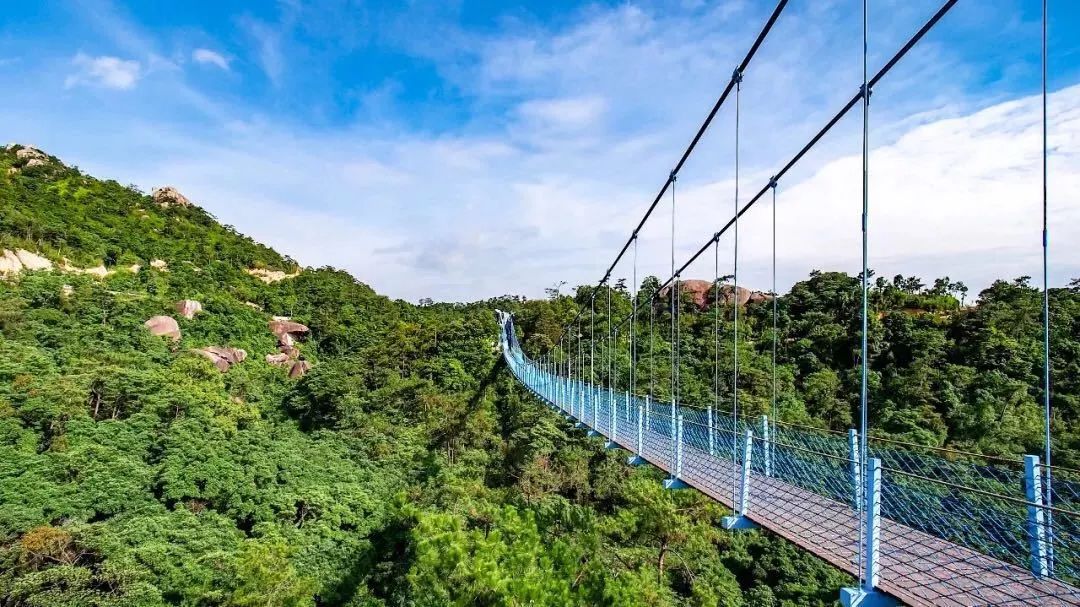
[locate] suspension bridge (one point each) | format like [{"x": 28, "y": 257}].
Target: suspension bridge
[{"x": 912, "y": 524}]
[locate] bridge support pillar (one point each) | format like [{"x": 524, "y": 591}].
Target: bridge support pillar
[
  {"x": 867, "y": 595},
  {"x": 637, "y": 459},
  {"x": 1037, "y": 517},
  {"x": 740, "y": 520},
  {"x": 676, "y": 482}
]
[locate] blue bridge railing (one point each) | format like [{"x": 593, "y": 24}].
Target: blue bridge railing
[{"x": 926, "y": 526}]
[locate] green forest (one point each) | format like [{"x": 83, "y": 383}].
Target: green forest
[{"x": 403, "y": 465}]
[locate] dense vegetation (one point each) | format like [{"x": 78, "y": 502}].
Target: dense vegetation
[{"x": 407, "y": 468}]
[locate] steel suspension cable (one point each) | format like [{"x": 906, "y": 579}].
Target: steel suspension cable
[
  {"x": 769, "y": 23},
  {"x": 900, "y": 54}
]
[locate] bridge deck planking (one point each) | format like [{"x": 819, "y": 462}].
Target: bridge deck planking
[{"x": 936, "y": 571}]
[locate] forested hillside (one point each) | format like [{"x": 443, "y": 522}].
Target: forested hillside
[{"x": 402, "y": 465}]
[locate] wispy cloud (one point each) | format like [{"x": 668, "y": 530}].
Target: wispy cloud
[
  {"x": 105, "y": 71},
  {"x": 208, "y": 57}
]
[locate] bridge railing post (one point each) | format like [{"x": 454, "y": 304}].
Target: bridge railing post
[
  {"x": 1036, "y": 517},
  {"x": 676, "y": 482},
  {"x": 647, "y": 407},
  {"x": 766, "y": 445},
  {"x": 638, "y": 458},
  {"x": 867, "y": 594},
  {"x": 740, "y": 520},
  {"x": 855, "y": 467},
  {"x": 613, "y": 440},
  {"x": 712, "y": 431}
]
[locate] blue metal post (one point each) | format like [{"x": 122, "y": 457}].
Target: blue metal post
[
  {"x": 595, "y": 412},
  {"x": 637, "y": 459},
  {"x": 1036, "y": 523},
  {"x": 613, "y": 441},
  {"x": 676, "y": 482},
  {"x": 868, "y": 595},
  {"x": 712, "y": 436},
  {"x": 766, "y": 445},
  {"x": 740, "y": 521},
  {"x": 856, "y": 468}
]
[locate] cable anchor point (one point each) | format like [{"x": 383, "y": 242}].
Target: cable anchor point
[
  {"x": 736, "y": 76},
  {"x": 863, "y": 92},
  {"x": 772, "y": 183}
]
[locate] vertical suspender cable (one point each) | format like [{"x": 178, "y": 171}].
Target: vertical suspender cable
[
  {"x": 610, "y": 348},
  {"x": 865, "y": 212},
  {"x": 1048, "y": 499},
  {"x": 592, "y": 340},
  {"x": 652, "y": 349},
  {"x": 673, "y": 295},
  {"x": 716, "y": 330},
  {"x": 633, "y": 319},
  {"x": 772, "y": 411},
  {"x": 735, "y": 300}
]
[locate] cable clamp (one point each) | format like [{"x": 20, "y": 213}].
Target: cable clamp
[
  {"x": 863, "y": 92},
  {"x": 672, "y": 176},
  {"x": 736, "y": 76},
  {"x": 772, "y": 182}
]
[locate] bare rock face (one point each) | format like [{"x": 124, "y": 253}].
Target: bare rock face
[
  {"x": 168, "y": 196},
  {"x": 188, "y": 308},
  {"x": 159, "y": 264},
  {"x": 222, "y": 357},
  {"x": 702, "y": 292},
  {"x": 279, "y": 360},
  {"x": 14, "y": 262},
  {"x": 288, "y": 327},
  {"x": 271, "y": 276},
  {"x": 163, "y": 326},
  {"x": 253, "y": 305},
  {"x": 31, "y": 157},
  {"x": 299, "y": 369}
]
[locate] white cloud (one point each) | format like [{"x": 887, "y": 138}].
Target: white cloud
[
  {"x": 209, "y": 57},
  {"x": 573, "y": 113},
  {"x": 106, "y": 71}
]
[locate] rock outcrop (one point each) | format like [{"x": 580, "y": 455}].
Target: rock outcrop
[
  {"x": 163, "y": 326},
  {"x": 222, "y": 357},
  {"x": 159, "y": 264},
  {"x": 271, "y": 276},
  {"x": 703, "y": 293},
  {"x": 299, "y": 369},
  {"x": 168, "y": 196},
  {"x": 188, "y": 308},
  {"x": 14, "y": 262},
  {"x": 31, "y": 157},
  {"x": 279, "y": 359},
  {"x": 289, "y": 333}
]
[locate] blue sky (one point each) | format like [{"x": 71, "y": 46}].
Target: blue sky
[{"x": 460, "y": 151}]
